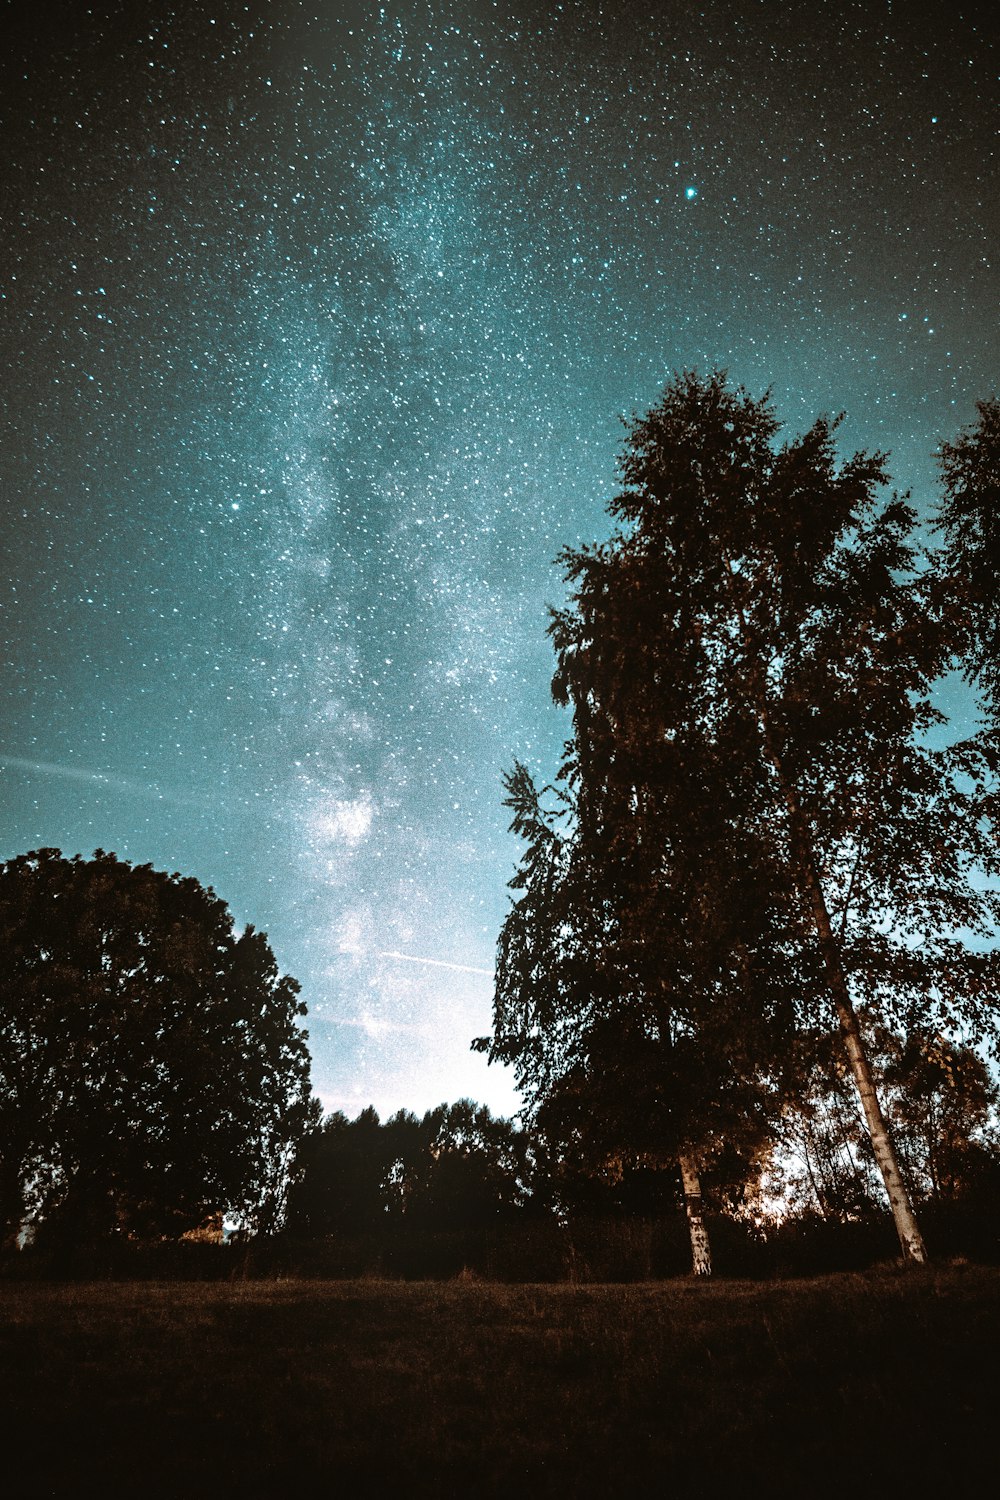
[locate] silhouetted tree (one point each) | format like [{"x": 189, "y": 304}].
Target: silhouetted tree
[
  {"x": 969, "y": 568},
  {"x": 640, "y": 996},
  {"x": 458, "y": 1167},
  {"x": 618, "y": 971},
  {"x": 152, "y": 1068},
  {"x": 758, "y": 831},
  {"x": 941, "y": 1101},
  {"x": 469, "y": 1171},
  {"x": 343, "y": 1173},
  {"x": 823, "y": 1163}
]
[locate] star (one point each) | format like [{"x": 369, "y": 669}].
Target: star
[{"x": 400, "y": 285}]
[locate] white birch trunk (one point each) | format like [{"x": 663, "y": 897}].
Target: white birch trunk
[
  {"x": 910, "y": 1238},
  {"x": 701, "y": 1254}
]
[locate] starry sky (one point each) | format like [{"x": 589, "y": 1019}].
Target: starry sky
[{"x": 318, "y": 323}]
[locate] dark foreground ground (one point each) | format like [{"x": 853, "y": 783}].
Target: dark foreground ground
[{"x": 855, "y": 1384}]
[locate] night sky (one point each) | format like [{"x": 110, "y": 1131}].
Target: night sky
[{"x": 318, "y": 323}]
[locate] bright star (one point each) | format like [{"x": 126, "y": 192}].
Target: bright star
[{"x": 690, "y": 192}]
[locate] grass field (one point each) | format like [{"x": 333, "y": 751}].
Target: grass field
[{"x": 474, "y": 1389}]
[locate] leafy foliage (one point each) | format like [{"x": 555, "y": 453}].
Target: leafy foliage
[
  {"x": 152, "y": 1068},
  {"x": 941, "y": 1100},
  {"x": 754, "y": 829},
  {"x": 969, "y": 517},
  {"x": 459, "y": 1167}
]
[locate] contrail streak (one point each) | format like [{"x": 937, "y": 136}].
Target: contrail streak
[
  {"x": 94, "y": 778},
  {"x": 439, "y": 963}
]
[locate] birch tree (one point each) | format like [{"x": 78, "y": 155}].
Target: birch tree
[
  {"x": 969, "y": 565},
  {"x": 749, "y": 661},
  {"x": 615, "y": 971}
]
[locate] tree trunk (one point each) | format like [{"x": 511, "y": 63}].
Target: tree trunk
[
  {"x": 807, "y": 1135},
  {"x": 701, "y": 1255},
  {"x": 910, "y": 1237}
]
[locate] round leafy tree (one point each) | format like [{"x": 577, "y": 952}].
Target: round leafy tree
[{"x": 152, "y": 1068}]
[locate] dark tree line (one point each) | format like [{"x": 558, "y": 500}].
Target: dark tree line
[
  {"x": 461, "y": 1188},
  {"x": 153, "y": 1074},
  {"x": 457, "y": 1167}
]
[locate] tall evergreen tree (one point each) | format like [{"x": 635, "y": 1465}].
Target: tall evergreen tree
[{"x": 761, "y": 832}]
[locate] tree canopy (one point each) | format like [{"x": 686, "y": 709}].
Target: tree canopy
[
  {"x": 458, "y": 1167},
  {"x": 754, "y": 832},
  {"x": 153, "y": 1070},
  {"x": 969, "y": 518}
]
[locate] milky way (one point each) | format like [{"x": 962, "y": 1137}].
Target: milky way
[{"x": 318, "y": 323}]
